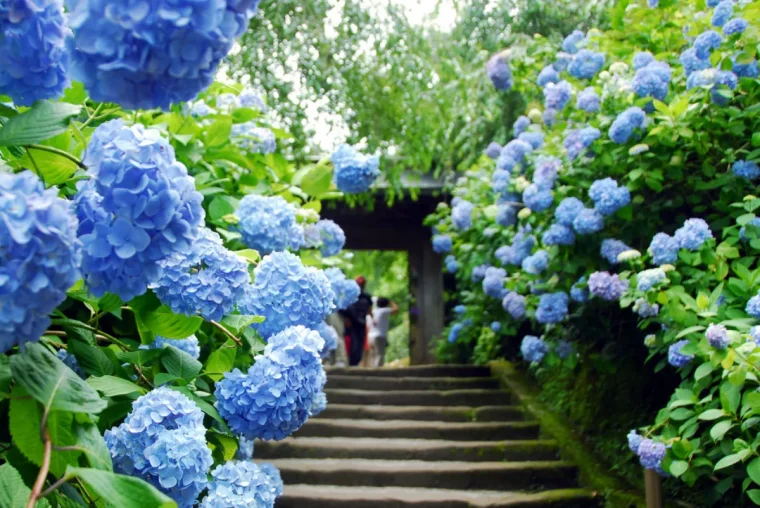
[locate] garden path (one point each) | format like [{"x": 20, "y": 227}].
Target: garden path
[{"x": 425, "y": 436}]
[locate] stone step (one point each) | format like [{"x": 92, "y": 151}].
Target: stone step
[
  {"x": 437, "y": 413},
  {"x": 328, "y": 496},
  {"x": 406, "y": 449},
  {"x": 409, "y": 429},
  {"x": 420, "y": 397},
  {"x": 356, "y": 382},
  {"x": 539, "y": 475},
  {"x": 416, "y": 371}
]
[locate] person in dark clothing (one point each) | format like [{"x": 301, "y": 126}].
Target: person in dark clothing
[{"x": 356, "y": 323}]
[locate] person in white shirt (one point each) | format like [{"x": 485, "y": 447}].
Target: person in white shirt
[{"x": 378, "y": 324}]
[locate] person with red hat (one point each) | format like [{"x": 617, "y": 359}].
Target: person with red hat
[{"x": 355, "y": 317}]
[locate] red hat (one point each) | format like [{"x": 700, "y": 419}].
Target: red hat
[{"x": 361, "y": 280}]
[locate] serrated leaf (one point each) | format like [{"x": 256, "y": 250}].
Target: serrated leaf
[
  {"x": 52, "y": 383},
  {"x": 180, "y": 364},
  {"x": 43, "y": 121},
  {"x": 166, "y": 323},
  {"x": 13, "y": 491},
  {"x": 218, "y": 132},
  {"x": 120, "y": 490},
  {"x": 220, "y": 361},
  {"x": 92, "y": 359},
  {"x": 112, "y": 386},
  {"x": 91, "y": 443}
]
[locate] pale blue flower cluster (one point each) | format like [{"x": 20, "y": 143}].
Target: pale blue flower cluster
[
  {"x": 454, "y": 332},
  {"x": 717, "y": 336},
  {"x": 567, "y": 210},
  {"x": 579, "y": 292},
  {"x": 546, "y": 170},
  {"x": 496, "y": 326},
  {"x": 499, "y": 72},
  {"x": 138, "y": 208},
  {"x": 715, "y": 80},
  {"x": 552, "y": 308},
  {"x": 346, "y": 291},
  {"x": 536, "y": 263},
  {"x": 692, "y": 63},
  {"x": 254, "y": 139},
  {"x": 163, "y": 441},
  {"x": 274, "y": 398},
  {"x": 642, "y": 59},
  {"x": 754, "y": 229},
  {"x": 611, "y": 249},
  {"x": 651, "y": 453},
  {"x": 521, "y": 248},
  {"x": 493, "y": 282},
  {"x": 152, "y": 54},
  {"x": 33, "y": 56},
  {"x": 693, "y": 234},
  {"x": 534, "y": 138},
  {"x": 515, "y": 150},
  {"x": 39, "y": 256},
  {"x": 571, "y": 42},
  {"x": 274, "y": 477},
  {"x": 549, "y": 117},
  {"x": 722, "y": 13},
  {"x": 354, "y": 172},
  {"x": 607, "y": 286},
  {"x": 330, "y": 336},
  {"x": 239, "y": 484},
  {"x": 252, "y": 100},
  {"x": 558, "y": 234},
  {"x": 442, "y": 244},
  {"x": 533, "y": 349},
  {"x": 675, "y": 357},
  {"x": 189, "y": 345},
  {"x": 548, "y": 75},
  {"x": 706, "y": 43},
  {"x": 514, "y": 303},
  {"x": 634, "y": 440},
  {"x": 266, "y": 223},
  {"x": 588, "y": 221},
  {"x": 735, "y": 26},
  {"x": 626, "y": 123},
  {"x": 478, "y": 273},
  {"x": 652, "y": 80},
  {"x": 754, "y": 334},
  {"x": 522, "y": 123},
  {"x": 663, "y": 249},
  {"x": 71, "y": 362},
  {"x": 506, "y": 215},
  {"x": 647, "y": 279},
  {"x": 746, "y": 169},
  {"x": 493, "y": 150},
  {"x": 537, "y": 198},
  {"x": 577, "y": 141},
  {"x": 588, "y": 100},
  {"x": 585, "y": 64},
  {"x": 207, "y": 279},
  {"x": 461, "y": 215},
  {"x": 645, "y": 309},
  {"x": 608, "y": 197},
  {"x": 287, "y": 294},
  {"x": 332, "y": 236},
  {"x": 451, "y": 264},
  {"x": 753, "y": 306},
  {"x": 460, "y": 309},
  {"x": 557, "y": 95}
]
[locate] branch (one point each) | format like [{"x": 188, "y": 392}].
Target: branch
[
  {"x": 42, "y": 475},
  {"x": 58, "y": 152},
  {"x": 227, "y": 333}
]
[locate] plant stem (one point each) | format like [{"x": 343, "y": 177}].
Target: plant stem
[
  {"x": 56, "y": 151},
  {"x": 227, "y": 333},
  {"x": 99, "y": 333},
  {"x": 42, "y": 475},
  {"x": 54, "y": 486}
]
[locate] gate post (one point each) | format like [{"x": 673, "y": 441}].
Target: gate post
[{"x": 427, "y": 311}]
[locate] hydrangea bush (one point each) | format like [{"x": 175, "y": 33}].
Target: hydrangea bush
[{"x": 639, "y": 198}]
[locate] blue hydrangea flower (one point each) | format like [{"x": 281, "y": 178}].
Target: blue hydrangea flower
[
  {"x": 546, "y": 170},
  {"x": 514, "y": 304},
  {"x": 460, "y": 309},
  {"x": 254, "y": 139},
  {"x": 642, "y": 59},
  {"x": 663, "y": 249},
  {"x": 274, "y": 398},
  {"x": 579, "y": 292},
  {"x": 626, "y": 123},
  {"x": 653, "y": 4},
  {"x": 496, "y": 326},
  {"x": 354, "y": 172},
  {"x": 536, "y": 263},
  {"x": 537, "y": 198},
  {"x": 588, "y": 100},
  {"x": 506, "y": 215},
  {"x": 39, "y": 256},
  {"x": 558, "y": 234},
  {"x": 266, "y": 223},
  {"x": 239, "y": 484},
  {"x": 478, "y": 273},
  {"x": 533, "y": 138},
  {"x": 451, "y": 264},
  {"x": 287, "y": 294},
  {"x": 274, "y": 477},
  {"x": 611, "y": 249},
  {"x": 504, "y": 163},
  {"x": 557, "y": 95},
  {"x": 138, "y": 208},
  {"x": 318, "y": 404},
  {"x": 578, "y": 140},
  {"x": 71, "y": 362},
  {"x": 162, "y": 440},
  {"x": 585, "y": 64},
  {"x": 442, "y": 244},
  {"x": 245, "y": 449},
  {"x": 754, "y": 334},
  {"x": 647, "y": 279},
  {"x": 189, "y": 345},
  {"x": 693, "y": 234},
  {"x": 548, "y": 75},
  {"x": 754, "y": 226},
  {"x": 493, "y": 282},
  {"x": 722, "y": 13},
  {"x": 717, "y": 336},
  {"x": 608, "y": 197},
  {"x": 333, "y": 237},
  {"x": 199, "y": 109},
  {"x": 746, "y": 169},
  {"x": 549, "y": 117},
  {"x": 607, "y": 286},
  {"x": 152, "y": 54},
  {"x": 588, "y": 221},
  {"x": 346, "y": 291},
  {"x": 692, "y": 63},
  {"x": 499, "y": 72},
  {"x": 645, "y": 309},
  {"x": 572, "y": 41},
  {"x": 651, "y": 454},
  {"x": 33, "y": 56},
  {"x": 735, "y": 26},
  {"x": 516, "y": 150},
  {"x": 500, "y": 180},
  {"x": 567, "y": 210},
  {"x": 715, "y": 80},
  {"x": 454, "y": 332},
  {"x": 461, "y": 215},
  {"x": 652, "y": 81},
  {"x": 207, "y": 279},
  {"x": 493, "y": 150},
  {"x": 706, "y": 42},
  {"x": 634, "y": 441},
  {"x": 522, "y": 123},
  {"x": 552, "y": 308},
  {"x": 713, "y": 3},
  {"x": 252, "y": 100},
  {"x": 747, "y": 70},
  {"x": 330, "y": 336},
  {"x": 533, "y": 349},
  {"x": 753, "y": 306},
  {"x": 675, "y": 357},
  {"x": 562, "y": 61}
]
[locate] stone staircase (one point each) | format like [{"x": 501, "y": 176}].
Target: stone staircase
[{"x": 424, "y": 437}]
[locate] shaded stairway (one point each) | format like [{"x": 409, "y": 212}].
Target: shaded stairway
[{"x": 429, "y": 436}]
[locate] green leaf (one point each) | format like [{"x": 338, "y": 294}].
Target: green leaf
[
  {"x": 687, "y": 331},
  {"x": 236, "y": 323},
  {"x": 719, "y": 429},
  {"x": 754, "y": 495},
  {"x": 730, "y": 397},
  {"x": 166, "y": 323},
  {"x": 678, "y": 467},
  {"x": 703, "y": 370},
  {"x": 712, "y": 414},
  {"x": 54, "y": 169},
  {"x": 727, "y": 461},
  {"x": 112, "y": 386},
  {"x": 52, "y": 383},
  {"x": 13, "y": 491},
  {"x": 317, "y": 180},
  {"x": 43, "y": 121},
  {"x": 92, "y": 359},
  {"x": 91, "y": 443},
  {"x": 220, "y": 206},
  {"x": 180, "y": 364},
  {"x": 250, "y": 255},
  {"x": 226, "y": 444},
  {"x": 222, "y": 360},
  {"x": 753, "y": 470},
  {"x": 218, "y": 132},
  {"x": 5, "y": 376},
  {"x": 205, "y": 406},
  {"x": 120, "y": 490},
  {"x": 681, "y": 414}
]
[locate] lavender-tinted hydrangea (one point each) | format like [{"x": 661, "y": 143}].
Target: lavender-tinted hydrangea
[
  {"x": 626, "y": 123},
  {"x": 189, "y": 345},
  {"x": 287, "y": 294},
  {"x": 717, "y": 336},
  {"x": 354, "y": 172},
  {"x": 706, "y": 42},
  {"x": 568, "y": 210},
  {"x": 611, "y": 249},
  {"x": 39, "y": 256},
  {"x": 139, "y": 207},
  {"x": 493, "y": 150},
  {"x": 746, "y": 169},
  {"x": 564, "y": 349},
  {"x": 451, "y": 264},
  {"x": 585, "y": 64},
  {"x": 533, "y": 138},
  {"x": 572, "y": 41},
  {"x": 558, "y": 234},
  {"x": 461, "y": 215},
  {"x": 330, "y": 336},
  {"x": 522, "y": 123},
  {"x": 552, "y": 308},
  {"x": 536, "y": 263},
  {"x": 735, "y": 26},
  {"x": 514, "y": 304},
  {"x": 651, "y": 454},
  {"x": 499, "y": 72},
  {"x": 252, "y": 100},
  {"x": 663, "y": 249},
  {"x": 549, "y": 117},
  {"x": 537, "y": 198},
  {"x": 516, "y": 150},
  {"x": 493, "y": 282},
  {"x": 506, "y": 215},
  {"x": 588, "y": 100},
  {"x": 274, "y": 398},
  {"x": 500, "y": 180},
  {"x": 578, "y": 140},
  {"x": 753, "y": 306},
  {"x": 71, "y": 362},
  {"x": 274, "y": 477},
  {"x": 254, "y": 139},
  {"x": 692, "y": 63},
  {"x": 693, "y": 234},
  {"x": 588, "y": 221},
  {"x": 266, "y": 223},
  {"x": 562, "y": 61},
  {"x": 546, "y": 170},
  {"x": 547, "y": 75},
  {"x": 647, "y": 279},
  {"x": 608, "y": 197},
  {"x": 207, "y": 279},
  {"x": 653, "y": 4},
  {"x": 533, "y": 349},
  {"x": 722, "y": 13},
  {"x": 239, "y": 484},
  {"x": 163, "y": 441},
  {"x": 152, "y": 54},
  {"x": 478, "y": 273},
  {"x": 522, "y": 246},
  {"x": 607, "y": 286},
  {"x": 579, "y": 292},
  {"x": 675, "y": 357},
  {"x": 642, "y": 59},
  {"x": 715, "y": 80},
  {"x": 33, "y": 56},
  {"x": 557, "y": 95},
  {"x": 346, "y": 291},
  {"x": 652, "y": 81},
  {"x": 645, "y": 309},
  {"x": 754, "y": 334},
  {"x": 442, "y": 244},
  {"x": 332, "y": 236}
]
